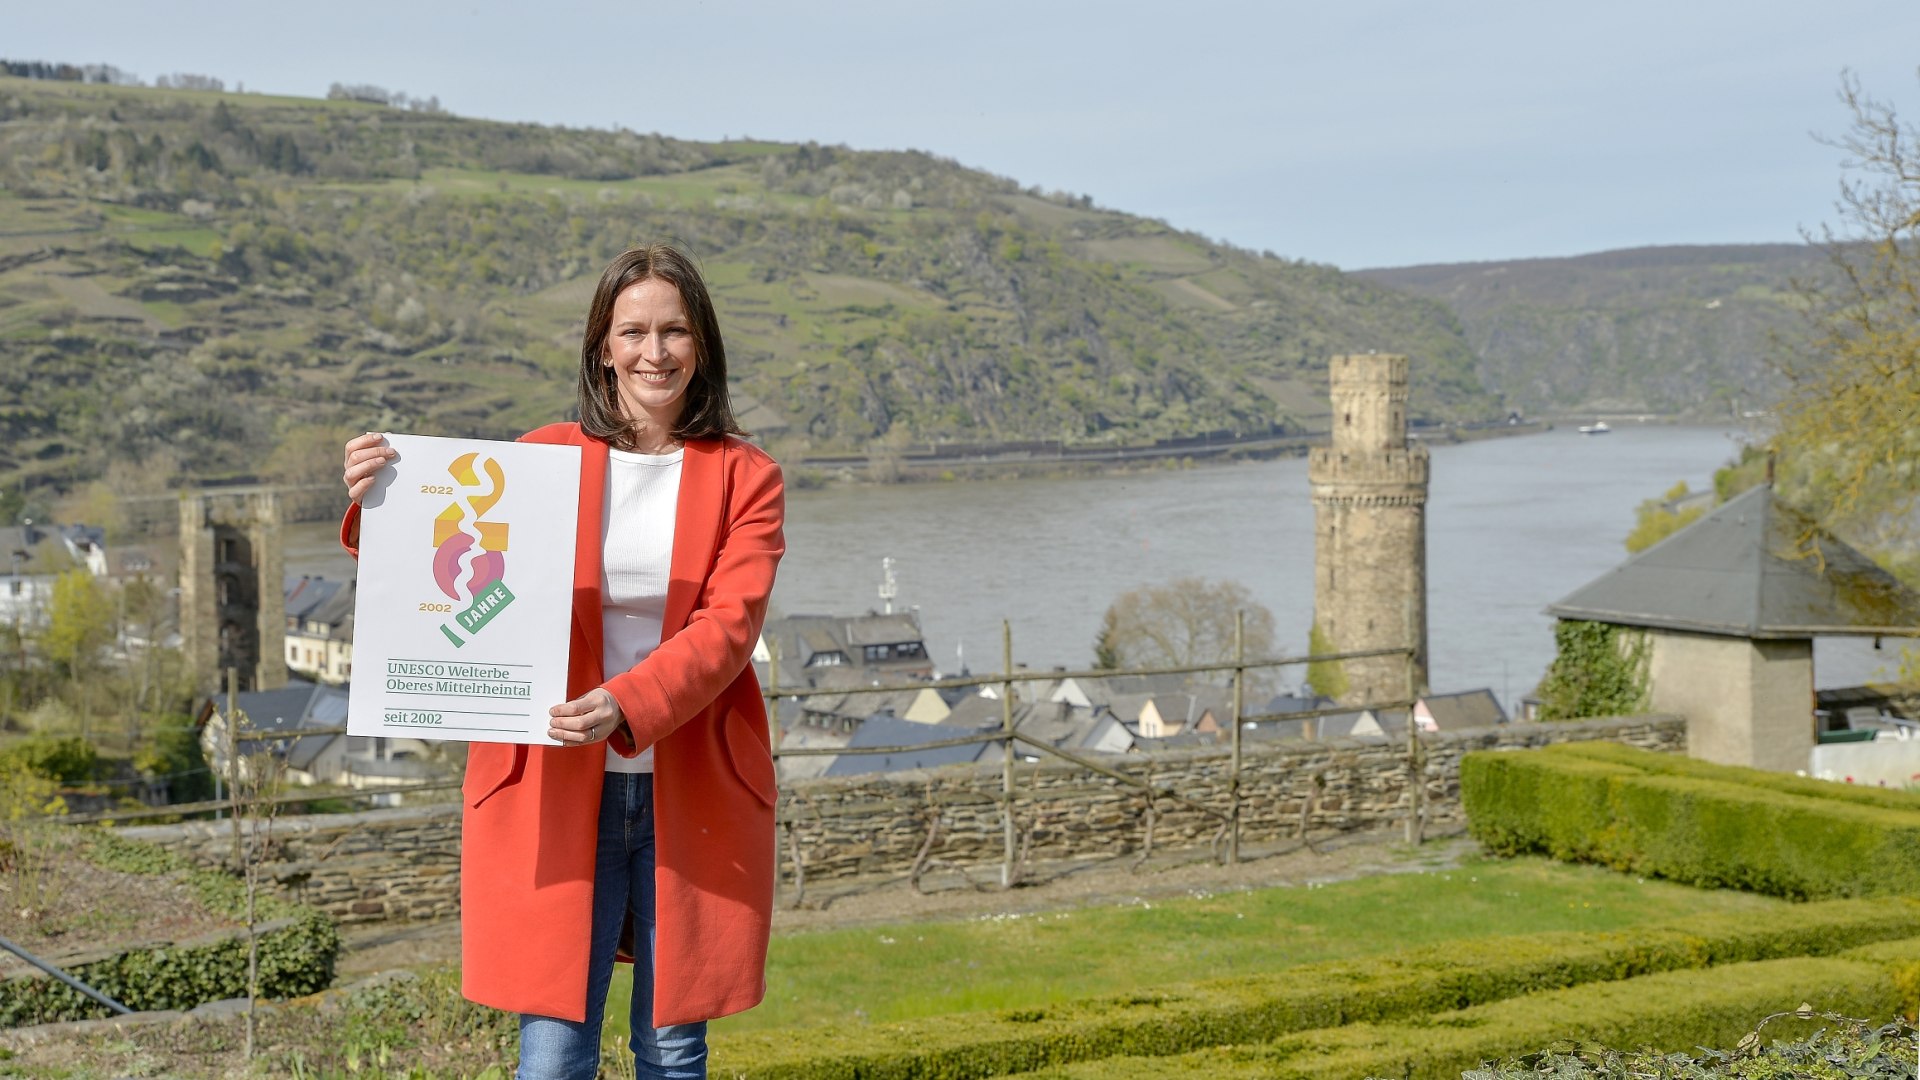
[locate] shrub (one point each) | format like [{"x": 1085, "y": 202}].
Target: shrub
[
  {"x": 296, "y": 958},
  {"x": 1697, "y": 829},
  {"x": 173, "y": 753},
  {"x": 1183, "y": 1018},
  {"x": 297, "y": 946},
  {"x": 1598, "y": 669},
  {"x": 1849, "y": 1050},
  {"x": 68, "y": 759},
  {"x": 1669, "y": 1012}
]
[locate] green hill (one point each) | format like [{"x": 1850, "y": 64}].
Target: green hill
[
  {"x": 1665, "y": 329},
  {"x": 221, "y": 275}
]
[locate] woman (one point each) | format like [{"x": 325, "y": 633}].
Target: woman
[{"x": 665, "y": 740}]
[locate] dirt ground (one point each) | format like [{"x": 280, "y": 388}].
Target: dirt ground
[{"x": 950, "y": 894}]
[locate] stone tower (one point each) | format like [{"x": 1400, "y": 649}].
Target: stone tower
[
  {"x": 1370, "y": 529},
  {"x": 233, "y": 610}
]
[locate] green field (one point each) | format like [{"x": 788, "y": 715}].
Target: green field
[{"x": 913, "y": 970}]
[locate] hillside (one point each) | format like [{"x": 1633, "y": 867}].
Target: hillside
[
  {"x": 217, "y": 277},
  {"x": 1665, "y": 329}
]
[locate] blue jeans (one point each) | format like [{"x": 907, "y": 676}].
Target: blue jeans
[{"x": 553, "y": 1049}]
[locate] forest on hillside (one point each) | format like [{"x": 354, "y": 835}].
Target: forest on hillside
[
  {"x": 1686, "y": 329},
  {"x": 217, "y": 284}
]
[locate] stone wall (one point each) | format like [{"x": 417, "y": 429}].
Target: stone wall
[
  {"x": 404, "y": 863},
  {"x": 400, "y": 863},
  {"x": 850, "y": 826}
]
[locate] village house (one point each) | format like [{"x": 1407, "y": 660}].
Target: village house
[
  {"x": 1056, "y": 723},
  {"x": 1728, "y": 609},
  {"x": 304, "y": 722},
  {"x": 35, "y": 556},
  {"x": 1152, "y": 706},
  {"x": 906, "y": 741},
  {"x": 320, "y": 628},
  {"x": 1431, "y": 713},
  {"x": 839, "y": 651}
]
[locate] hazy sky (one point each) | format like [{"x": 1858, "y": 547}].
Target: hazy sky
[{"x": 1354, "y": 133}]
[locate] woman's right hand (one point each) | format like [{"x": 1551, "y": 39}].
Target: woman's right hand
[{"x": 366, "y": 456}]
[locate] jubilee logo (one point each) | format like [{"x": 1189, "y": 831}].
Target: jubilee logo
[{"x": 469, "y": 551}]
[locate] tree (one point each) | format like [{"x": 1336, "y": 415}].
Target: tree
[
  {"x": 1186, "y": 621},
  {"x": 94, "y": 503},
  {"x": 1653, "y": 522},
  {"x": 1327, "y": 678},
  {"x": 79, "y": 625},
  {"x": 308, "y": 461},
  {"x": 79, "y": 622},
  {"x": 1849, "y": 434}
]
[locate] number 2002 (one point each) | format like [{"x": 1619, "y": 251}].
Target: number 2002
[{"x": 435, "y": 607}]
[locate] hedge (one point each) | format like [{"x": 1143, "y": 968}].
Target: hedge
[
  {"x": 1850, "y": 1048},
  {"x": 1255, "y": 1009},
  {"x": 295, "y": 955},
  {"x": 1653, "y": 761},
  {"x": 1695, "y": 829},
  {"x": 297, "y": 947},
  {"x": 1672, "y": 1011}
]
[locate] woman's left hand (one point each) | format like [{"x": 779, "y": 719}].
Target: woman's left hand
[{"x": 589, "y": 718}]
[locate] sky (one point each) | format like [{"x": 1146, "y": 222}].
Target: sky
[{"x": 1354, "y": 133}]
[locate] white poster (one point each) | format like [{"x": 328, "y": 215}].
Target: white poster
[{"x": 464, "y": 608}]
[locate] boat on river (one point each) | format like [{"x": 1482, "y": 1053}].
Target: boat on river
[{"x": 1598, "y": 427}]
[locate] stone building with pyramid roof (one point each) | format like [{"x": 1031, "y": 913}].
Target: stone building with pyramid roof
[{"x": 1730, "y": 606}]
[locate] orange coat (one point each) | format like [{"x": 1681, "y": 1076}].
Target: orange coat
[{"x": 528, "y": 831}]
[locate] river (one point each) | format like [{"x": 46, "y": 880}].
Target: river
[{"x": 1514, "y": 524}]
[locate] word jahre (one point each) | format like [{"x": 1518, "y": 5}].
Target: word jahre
[{"x": 446, "y": 671}]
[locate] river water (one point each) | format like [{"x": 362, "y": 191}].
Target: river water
[{"x": 1514, "y": 524}]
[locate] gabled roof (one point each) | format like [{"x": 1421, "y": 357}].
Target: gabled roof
[
  {"x": 1104, "y": 691},
  {"x": 1748, "y": 569},
  {"x": 860, "y": 705},
  {"x": 885, "y": 730},
  {"x": 294, "y": 708},
  {"x": 318, "y": 599},
  {"x": 881, "y": 629},
  {"x": 1466, "y": 709},
  {"x": 1056, "y": 723}
]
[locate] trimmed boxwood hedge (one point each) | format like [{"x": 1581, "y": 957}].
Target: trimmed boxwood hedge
[
  {"x": 1654, "y": 761},
  {"x": 1701, "y": 829},
  {"x": 1670, "y": 1011},
  {"x": 1256, "y": 1009},
  {"x": 297, "y": 947}
]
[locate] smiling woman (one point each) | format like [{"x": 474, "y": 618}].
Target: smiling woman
[
  {"x": 644, "y": 830},
  {"x": 653, "y": 368},
  {"x": 650, "y": 357}
]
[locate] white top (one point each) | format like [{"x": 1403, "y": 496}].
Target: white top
[{"x": 636, "y": 555}]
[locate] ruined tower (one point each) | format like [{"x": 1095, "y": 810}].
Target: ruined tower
[
  {"x": 1370, "y": 530},
  {"x": 233, "y": 610}
]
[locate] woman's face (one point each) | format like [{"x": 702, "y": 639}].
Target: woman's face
[{"x": 651, "y": 353}]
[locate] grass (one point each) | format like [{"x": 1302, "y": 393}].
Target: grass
[{"x": 907, "y": 971}]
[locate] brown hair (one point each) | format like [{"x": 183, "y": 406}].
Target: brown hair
[{"x": 707, "y": 411}]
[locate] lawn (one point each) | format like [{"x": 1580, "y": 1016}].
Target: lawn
[{"x": 915, "y": 970}]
